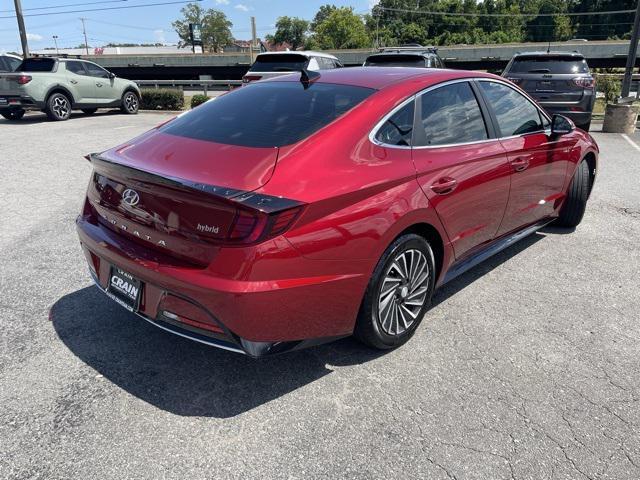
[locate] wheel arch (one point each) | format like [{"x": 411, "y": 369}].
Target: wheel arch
[{"x": 60, "y": 89}]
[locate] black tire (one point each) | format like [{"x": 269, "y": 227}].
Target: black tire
[
  {"x": 58, "y": 107},
  {"x": 585, "y": 126},
  {"x": 371, "y": 327},
  {"x": 13, "y": 114},
  {"x": 89, "y": 111},
  {"x": 130, "y": 103},
  {"x": 575, "y": 204}
]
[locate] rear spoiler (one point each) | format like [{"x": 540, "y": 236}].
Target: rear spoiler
[{"x": 265, "y": 203}]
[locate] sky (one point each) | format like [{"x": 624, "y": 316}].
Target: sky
[{"x": 142, "y": 25}]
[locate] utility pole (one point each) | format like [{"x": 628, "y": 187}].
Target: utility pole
[
  {"x": 84, "y": 32},
  {"x": 55, "y": 40},
  {"x": 23, "y": 30},
  {"x": 631, "y": 56},
  {"x": 253, "y": 37}
]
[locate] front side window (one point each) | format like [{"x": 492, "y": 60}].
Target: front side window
[
  {"x": 516, "y": 115},
  {"x": 269, "y": 114},
  {"x": 451, "y": 115},
  {"x": 397, "y": 130},
  {"x": 96, "y": 71}
]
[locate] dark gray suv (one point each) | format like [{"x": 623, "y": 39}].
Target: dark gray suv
[
  {"x": 559, "y": 81},
  {"x": 405, "y": 56}
]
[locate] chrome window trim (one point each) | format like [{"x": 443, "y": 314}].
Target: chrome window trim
[{"x": 378, "y": 126}]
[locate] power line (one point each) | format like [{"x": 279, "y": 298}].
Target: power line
[
  {"x": 104, "y": 9},
  {"x": 64, "y": 6},
  {"x": 465, "y": 14}
]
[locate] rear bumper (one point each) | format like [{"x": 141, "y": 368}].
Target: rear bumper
[
  {"x": 257, "y": 318},
  {"x": 17, "y": 102},
  {"x": 579, "y": 118}
]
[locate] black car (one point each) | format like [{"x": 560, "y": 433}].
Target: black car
[
  {"x": 406, "y": 56},
  {"x": 560, "y": 82}
]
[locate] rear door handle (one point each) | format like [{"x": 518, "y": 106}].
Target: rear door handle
[
  {"x": 73, "y": 81},
  {"x": 520, "y": 164},
  {"x": 98, "y": 84},
  {"x": 444, "y": 185}
]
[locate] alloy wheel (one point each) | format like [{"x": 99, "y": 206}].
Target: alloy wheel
[
  {"x": 403, "y": 292},
  {"x": 61, "y": 107},
  {"x": 131, "y": 102}
]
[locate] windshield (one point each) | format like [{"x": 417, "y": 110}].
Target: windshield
[
  {"x": 395, "y": 61},
  {"x": 270, "y": 114},
  {"x": 37, "y": 65},
  {"x": 551, "y": 64},
  {"x": 287, "y": 62}
]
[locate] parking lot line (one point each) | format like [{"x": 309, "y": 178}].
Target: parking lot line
[{"x": 631, "y": 142}]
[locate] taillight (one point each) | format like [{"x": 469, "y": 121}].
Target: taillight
[
  {"x": 514, "y": 80},
  {"x": 21, "y": 79},
  {"x": 251, "y": 226},
  {"x": 250, "y": 78},
  {"x": 584, "y": 82}
]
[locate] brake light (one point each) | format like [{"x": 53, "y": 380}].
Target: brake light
[
  {"x": 584, "y": 82},
  {"x": 517, "y": 81},
  {"x": 21, "y": 79}
]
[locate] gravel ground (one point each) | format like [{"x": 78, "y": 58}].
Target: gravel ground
[{"x": 527, "y": 367}]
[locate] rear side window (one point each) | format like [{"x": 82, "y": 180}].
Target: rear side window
[
  {"x": 37, "y": 65},
  {"x": 76, "y": 67},
  {"x": 270, "y": 114},
  {"x": 515, "y": 114},
  {"x": 395, "y": 61},
  {"x": 553, "y": 64},
  {"x": 397, "y": 130},
  {"x": 286, "y": 62},
  {"x": 451, "y": 115}
]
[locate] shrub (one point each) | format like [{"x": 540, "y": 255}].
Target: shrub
[
  {"x": 162, "y": 99},
  {"x": 198, "y": 100},
  {"x": 610, "y": 86}
]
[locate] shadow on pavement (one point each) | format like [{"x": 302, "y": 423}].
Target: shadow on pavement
[
  {"x": 191, "y": 379},
  {"x": 38, "y": 117}
]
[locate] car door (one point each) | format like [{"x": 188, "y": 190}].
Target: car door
[
  {"x": 106, "y": 88},
  {"x": 82, "y": 85},
  {"x": 538, "y": 161},
  {"x": 462, "y": 168}
]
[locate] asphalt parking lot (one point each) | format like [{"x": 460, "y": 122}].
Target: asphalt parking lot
[{"x": 527, "y": 367}]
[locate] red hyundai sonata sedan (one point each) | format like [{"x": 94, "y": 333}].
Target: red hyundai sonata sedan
[{"x": 310, "y": 207}]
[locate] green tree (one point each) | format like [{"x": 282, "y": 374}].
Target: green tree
[
  {"x": 342, "y": 28},
  {"x": 216, "y": 28},
  {"x": 292, "y": 30},
  {"x": 321, "y": 15}
]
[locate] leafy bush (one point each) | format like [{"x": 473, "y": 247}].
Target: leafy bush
[
  {"x": 198, "y": 100},
  {"x": 610, "y": 86},
  {"x": 162, "y": 99}
]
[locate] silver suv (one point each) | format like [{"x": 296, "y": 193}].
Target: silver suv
[
  {"x": 57, "y": 86},
  {"x": 559, "y": 81}
]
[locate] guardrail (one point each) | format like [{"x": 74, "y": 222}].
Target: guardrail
[{"x": 205, "y": 85}]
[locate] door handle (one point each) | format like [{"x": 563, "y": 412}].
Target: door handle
[
  {"x": 520, "y": 164},
  {"x": 74, "y": 81},
  {"x": 444, "y": 185},
  {"x": 98, "y": 84}
]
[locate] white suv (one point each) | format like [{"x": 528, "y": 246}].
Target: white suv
[{"x": 274, "y": 64}]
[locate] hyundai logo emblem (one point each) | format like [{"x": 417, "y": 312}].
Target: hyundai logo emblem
[{"x": 130, "y": 197}]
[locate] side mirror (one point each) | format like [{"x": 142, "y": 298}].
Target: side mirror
[
  {"x": 112, "y": 75},
  {"x": 561, "y": 125}
]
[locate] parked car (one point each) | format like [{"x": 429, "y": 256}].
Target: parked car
[
  {"x": 9, "y": 63},
  {"x": 57, "y": 86},
  {"x": 275, "y": 64},
  {"x": 406, "y": 56},
  {"x": 559, "y": 81},
  {"x": 370, "y": 208}
]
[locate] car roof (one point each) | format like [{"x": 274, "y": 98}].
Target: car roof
[
  {"x": 381, "y": 77},
  {"x": 306, "y": 53},
  {"x": 404, "y": 54},
  {"x": 552, "y": 53}
]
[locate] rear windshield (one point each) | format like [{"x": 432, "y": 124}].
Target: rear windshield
[
  {"x": 37, "y": 65},
  {"x": 279, "y": 63},
  {"x": 555, "y": 64},
  {"x": 270, "y": 114},
  {"x": 395, "y": 61}
]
